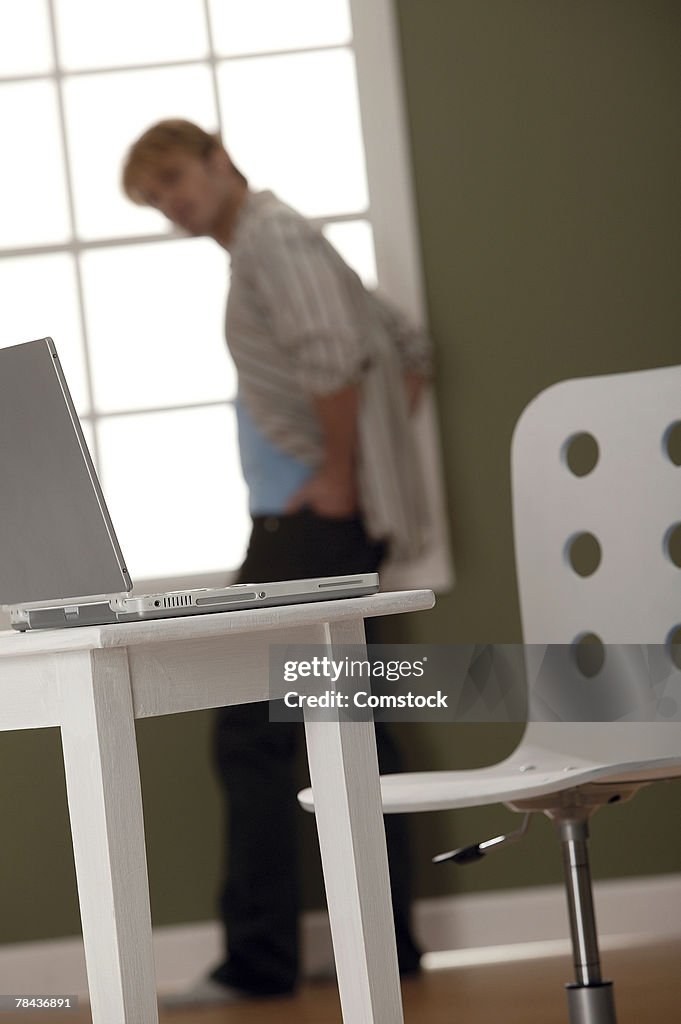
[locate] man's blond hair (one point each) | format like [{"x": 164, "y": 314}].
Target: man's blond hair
[{"x": 164, "y": 137}]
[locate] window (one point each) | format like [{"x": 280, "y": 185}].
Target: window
[{"x": 136, "y": 310}]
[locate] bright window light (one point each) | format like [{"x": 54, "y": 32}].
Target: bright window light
[
  {"x": 105, "y": 114},
  {"x": 33, "y": 204},
  {"x": 157, "y": 334},
  {"x": 39, "y": 300},
  {"x": 25, "y": 46},
  {"x": 261, "y": 25},
  {"x": 95, "y": 33},
  {"x": 354, "y": 240},
  {"x": 292, "y": 124},
  {"x": 174, "y": 489}
]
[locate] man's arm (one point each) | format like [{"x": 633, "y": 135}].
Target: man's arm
[{"x": 332, "y": 491}]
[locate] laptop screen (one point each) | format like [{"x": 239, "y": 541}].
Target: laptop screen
[{"x": 56, "y": 537}]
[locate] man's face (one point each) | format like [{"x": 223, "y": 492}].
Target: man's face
[{"x": 190, "y": 191}]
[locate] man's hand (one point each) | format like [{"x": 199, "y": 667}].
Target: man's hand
[{"x": 332, "y": 492}]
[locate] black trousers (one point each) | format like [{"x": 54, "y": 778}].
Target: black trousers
[{"x": 256, "y": 762}]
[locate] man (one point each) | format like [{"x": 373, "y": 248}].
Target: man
[{"x": 327, "y": 373}]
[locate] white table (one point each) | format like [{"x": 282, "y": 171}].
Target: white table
[{"x": 94, "y": 681}]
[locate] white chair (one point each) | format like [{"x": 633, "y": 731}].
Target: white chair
[{"x": 596, "y": 506}]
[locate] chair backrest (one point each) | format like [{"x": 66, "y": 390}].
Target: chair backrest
[{"x": 596, "y": 480}]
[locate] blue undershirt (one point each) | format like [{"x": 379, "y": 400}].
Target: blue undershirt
[{"x": 272, "y": 475}]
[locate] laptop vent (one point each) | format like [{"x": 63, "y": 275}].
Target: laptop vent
[{"x": 181, "y": 601}]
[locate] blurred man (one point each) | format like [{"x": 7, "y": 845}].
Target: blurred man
[{"x": 327, "y": 376}]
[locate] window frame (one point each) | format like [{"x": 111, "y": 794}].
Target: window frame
[{"x": 391, "y": 214}]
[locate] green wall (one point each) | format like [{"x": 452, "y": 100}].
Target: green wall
[{"x": 546, "y": 160}]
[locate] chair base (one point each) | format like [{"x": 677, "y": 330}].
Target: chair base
[
  {"x": 591, "y": 1004},
  {"x": 590, "y": 1000}
]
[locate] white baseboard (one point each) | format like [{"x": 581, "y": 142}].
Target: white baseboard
[{"x": 521, "y": 918}]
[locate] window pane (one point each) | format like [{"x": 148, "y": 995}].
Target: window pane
[
  {"x": 24, "y": 38},
  {"x": 261, "y": 25},
  {"x": 292, "y": 124},
  {"x": 39, "y": 299},
  {"x": 105, "y": 113},
  {"x": 354, "y": 240},
  {"x": 33, "y": 205},
  {"x": 97, "y": 33},
  {"x": 155, "y": 316},
  {"x": 175, "y": 492}
]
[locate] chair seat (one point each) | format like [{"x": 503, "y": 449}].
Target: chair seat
[{"x": 530, "y": 771}]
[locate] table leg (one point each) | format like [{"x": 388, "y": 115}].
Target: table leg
[
  {"x": 344, "y": 773},
  {"x": 105, "y": 807}
]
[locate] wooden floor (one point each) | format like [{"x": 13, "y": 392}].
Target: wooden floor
[{"x": 647, "y": 984}]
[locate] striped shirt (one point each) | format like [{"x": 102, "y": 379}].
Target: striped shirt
[{"x": 299, "y": 324}]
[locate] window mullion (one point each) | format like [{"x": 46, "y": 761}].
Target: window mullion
[
  {"x": 59, "y": 79},
  {"x": 78, "y": 245},
  {"x": 212, "y": 59}
]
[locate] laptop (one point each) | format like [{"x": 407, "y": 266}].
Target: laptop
[{"x": 60, "y": 561}]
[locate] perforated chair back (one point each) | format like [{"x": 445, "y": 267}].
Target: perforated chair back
[{"x": 597, "y": 523}]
